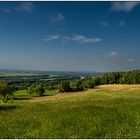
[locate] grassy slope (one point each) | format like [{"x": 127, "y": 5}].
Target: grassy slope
[{"x": 103, "y": 114}]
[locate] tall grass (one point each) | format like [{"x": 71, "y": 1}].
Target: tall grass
[{"x": 103, "y": 114}]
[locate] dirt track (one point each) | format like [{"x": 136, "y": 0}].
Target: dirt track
[
  {"x": 61, "y": 96},
  {"x": 84, "y": 93}
]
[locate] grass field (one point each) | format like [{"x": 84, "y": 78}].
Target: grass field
[
  {"x": 23, "y": 94},
  {"x": 111, "y": 111}
]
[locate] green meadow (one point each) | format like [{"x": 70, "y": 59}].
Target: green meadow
[
  {"x": 23, "y": 94},
  {"x": 101, "y": 113}
]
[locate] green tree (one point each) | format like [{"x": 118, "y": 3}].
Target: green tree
[
  {"x": 77, "y": 85},
  {"x": 40, "y": 90},
  {"x": 64, "y": 86},
  {"x": 5, "y": 91},
  {"x": 37, "y": 89},
  {"x": 31, "y": 89},
  {"x": 97, "y": 80},
  {"x": 89, "y": 83}
]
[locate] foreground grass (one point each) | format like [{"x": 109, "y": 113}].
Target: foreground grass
[{"x": 101, "y": 114}]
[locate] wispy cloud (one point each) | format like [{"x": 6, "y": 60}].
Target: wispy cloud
[
  {"x": 52, "y": 38},
  {"x": 56, "y": 18},
  {"x": 126, "y": 6},
  {"x": 7, "y": 10},
  {"x": 25, "y": 7},
  {"x": 121, "y": 23},
  {"x": 76, "y": 38},
  {"x": 104, "y": 23},
  {"x": 118, "y": 57},
  {"x": 21, "y": 7},
  {"x": 83, "y": 39},
  {"x": 113, "y": 54}
]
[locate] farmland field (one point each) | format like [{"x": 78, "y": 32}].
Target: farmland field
[{"x": 108, "y": 111}]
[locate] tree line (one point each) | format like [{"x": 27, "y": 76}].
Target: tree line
[{"x": 131, "y": 77}]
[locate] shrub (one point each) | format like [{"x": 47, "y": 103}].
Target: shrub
[
  {"x": 37, "y": 89},
  {"x": 5, "y": 91},
  {"x": 77, "y": 86}
]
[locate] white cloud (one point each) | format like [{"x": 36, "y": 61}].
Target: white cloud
[
  {"x": 113, "y": 54},
  {"x": 126, "y": 6},
  {"x": 76, "y": 38},
  {"x": 66, "y": 38},
  {"x": 22, "y": 7},
  {"x": 83, "y": 39},
  {"x": 104, "y": 23},
  {"x": 52, "y": 37},
  {"x": 25, "y": 7},
  {"x": 56, "y": 18},
  {"x": 121, "y": 23}
]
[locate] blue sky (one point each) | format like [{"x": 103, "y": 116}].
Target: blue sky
[{"x": 70, "y": 36}]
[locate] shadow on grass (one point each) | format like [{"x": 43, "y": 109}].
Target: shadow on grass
[
  {"x": 50, "y": 94},
  {"x": 29, "y": 98},
  {"x": 46, "y": 95},
  {"x": 22, "y": 98},
  {"x": 7, "y": 107}
]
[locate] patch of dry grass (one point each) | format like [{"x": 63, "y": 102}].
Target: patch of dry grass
[
  {"x": 113, "y": 87},
  {"x": 61, "y": 96},
  {"x": 58, "y": 96}
]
